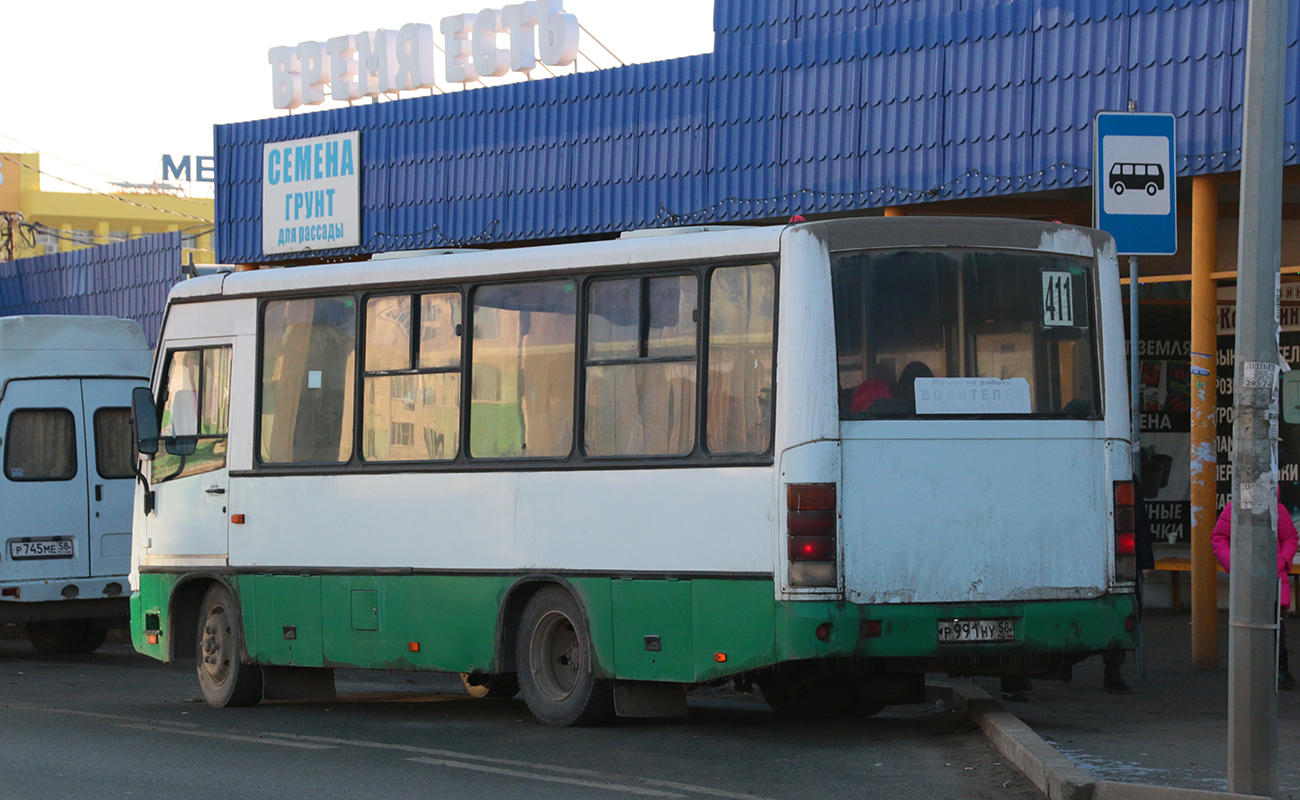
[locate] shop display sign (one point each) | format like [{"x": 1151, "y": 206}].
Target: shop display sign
[
  {"x": 311, "y": 194},
  {"x": 372, "y": 63}
]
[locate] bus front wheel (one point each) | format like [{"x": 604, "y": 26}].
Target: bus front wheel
[
  {"x": 555, "y": 663},
  {"x": 224, "y": 678}
]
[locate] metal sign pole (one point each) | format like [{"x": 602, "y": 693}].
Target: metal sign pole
[
  {"x": 1252, "y": 618},
  {"x": 1135, "y": 403}
]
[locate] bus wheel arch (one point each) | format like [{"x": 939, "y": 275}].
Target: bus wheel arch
[
  {"x": 183, "y": 612},
  {"x": 555, "y": 660}
]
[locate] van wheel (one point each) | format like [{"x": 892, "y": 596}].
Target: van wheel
[
  {"x": 500, "y": 687},
  {"x": 59, "y": 637},
  {"x": 224, "y": 677},
  {"x": 555, "y": 663},
  {"x": 1118, "y": 188},
  {"x": 1151, "y": 189},
  {"x": 92, "y": 640}
]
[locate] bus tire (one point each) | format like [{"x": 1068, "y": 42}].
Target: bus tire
[
  {"x": 499, "y": 687},
  {"x": 58, "y": 637},
  {"x": 806, "y": 692},
  {"x": 554, "y": 654},
  {"x": 224, "y": 677},
  {"x": 1151, "y": 189},
  {"x": 1117, "y": 187}
]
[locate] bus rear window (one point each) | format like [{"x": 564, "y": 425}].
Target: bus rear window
[{"x": 925, "y": 333}]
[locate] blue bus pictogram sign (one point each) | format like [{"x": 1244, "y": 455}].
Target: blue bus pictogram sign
[{"x": 1134, "y": 183}]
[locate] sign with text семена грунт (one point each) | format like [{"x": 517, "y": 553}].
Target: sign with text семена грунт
[
  {"x": 311, "y": 194},
  {"x": 1134, "y": 182}
]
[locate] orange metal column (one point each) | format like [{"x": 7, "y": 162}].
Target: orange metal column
[
  {"x": 1204, "y": 577},
  {"x": 894, "y": 211}
]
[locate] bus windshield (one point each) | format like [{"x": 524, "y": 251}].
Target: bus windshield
[{"x": 915, "y": 328}]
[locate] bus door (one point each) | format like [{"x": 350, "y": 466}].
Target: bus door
[
  {"x": 109, "y": 451},
  {"x": 190, "y": 500},
  {"x": 43, "y": 491}
]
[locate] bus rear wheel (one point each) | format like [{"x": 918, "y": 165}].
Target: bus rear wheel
[
  {"x": 811, "y": 693},
  {"x": 225, "y": 679},
  {"x": 554, "y": 654},
  {"x": 65, "y": 636}
]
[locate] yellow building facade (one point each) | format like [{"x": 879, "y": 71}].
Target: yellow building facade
[{"x": 34, "y": 222}]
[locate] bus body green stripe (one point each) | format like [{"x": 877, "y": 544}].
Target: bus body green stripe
[{"x": 703, "y": 628}]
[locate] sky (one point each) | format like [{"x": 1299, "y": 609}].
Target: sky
[{"x": 104, "y": 97}]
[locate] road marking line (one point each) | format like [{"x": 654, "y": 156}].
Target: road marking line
[
  {"x": 101, "y": 716},
  {"x": 688, "y": 787},
  {"x": 514, "y": 773},
  {"x": 407, "y": 748},
  {"x": 233, "y": 737}
]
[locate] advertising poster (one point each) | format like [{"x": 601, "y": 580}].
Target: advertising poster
[
  {"x": 1164, "y": 353},
  {"x": 1289, "y": 349}
]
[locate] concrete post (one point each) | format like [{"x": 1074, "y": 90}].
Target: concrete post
[
  {"x": 1252, "y": 612},
  {"x": 1204, "y": 574}
]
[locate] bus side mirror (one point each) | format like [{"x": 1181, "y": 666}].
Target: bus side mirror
[
  {"x": 144, "y": 416},
  {"x": 181, "y": 445},
  {"x": 1290, "y": 399}
]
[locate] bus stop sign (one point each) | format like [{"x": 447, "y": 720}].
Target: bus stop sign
[{"x": 1133, "y": 183}]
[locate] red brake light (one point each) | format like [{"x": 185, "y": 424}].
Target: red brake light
[
  {"x": 812, "y": 548},
  {"x": 1125, "y": 544}
]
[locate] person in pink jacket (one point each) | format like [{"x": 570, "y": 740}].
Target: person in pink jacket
[{"x": 1221, "y": 543}]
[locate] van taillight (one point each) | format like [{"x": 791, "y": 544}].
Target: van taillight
[
  {"x": 1125, "y": 531},
  {"x": 810, "y": 534}
]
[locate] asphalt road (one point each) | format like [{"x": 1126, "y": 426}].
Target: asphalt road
[{"x": 117, "y": 724}]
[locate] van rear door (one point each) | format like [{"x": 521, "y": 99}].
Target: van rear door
[
  {"x": 111, "y": 480},
  {"x": 43, "y": 490}
]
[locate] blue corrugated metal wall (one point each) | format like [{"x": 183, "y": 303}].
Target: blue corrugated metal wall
[
  {"x": 127, "y": 279},
  {"x": 804, "y": 106}
]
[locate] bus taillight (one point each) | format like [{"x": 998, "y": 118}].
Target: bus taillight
[
  {"x": 810, "y": 534},
  {"x": 1125, "y": 531}
]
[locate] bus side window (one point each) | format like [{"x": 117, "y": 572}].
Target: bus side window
[
  {"x": 742, "y": 307},
  {"x": 412, "y": 389},
  {"x": 641, "y": 366},
  {"x": 308, "y": 356},
  {"x": 530, "y": 345},
  {"x": 197, "y": 403}
]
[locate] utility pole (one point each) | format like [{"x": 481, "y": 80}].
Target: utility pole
[{"x": 1252, "y": 611}]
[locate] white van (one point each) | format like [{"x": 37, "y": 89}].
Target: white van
[{"x": 68, "y": 461}]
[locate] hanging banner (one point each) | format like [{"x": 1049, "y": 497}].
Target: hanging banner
[{"x": 311, "y": 194}]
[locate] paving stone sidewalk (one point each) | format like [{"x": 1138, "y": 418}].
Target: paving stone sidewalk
[{"x": 1172, "y": 730}]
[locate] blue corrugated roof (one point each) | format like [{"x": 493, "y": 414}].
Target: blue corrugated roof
[
  {"x": 126, "y": 279},
  {"x": 804, "y": 105}
]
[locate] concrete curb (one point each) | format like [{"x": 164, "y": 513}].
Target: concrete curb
[{"x": 1055, "y": 775}]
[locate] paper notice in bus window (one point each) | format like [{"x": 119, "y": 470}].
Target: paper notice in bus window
[
  {"x": 313, "y": 379},
  {"x": 972, "y": 396}
]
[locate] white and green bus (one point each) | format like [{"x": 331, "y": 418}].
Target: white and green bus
[{"x": 822, "y": 459}]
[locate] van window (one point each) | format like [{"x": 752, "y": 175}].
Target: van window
[
  {"x": 308, "y": 377},
  {"x": 196, "y": 402},
  {"x": 114, "y": 447},
  {"x": 40, "y": 445}
]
